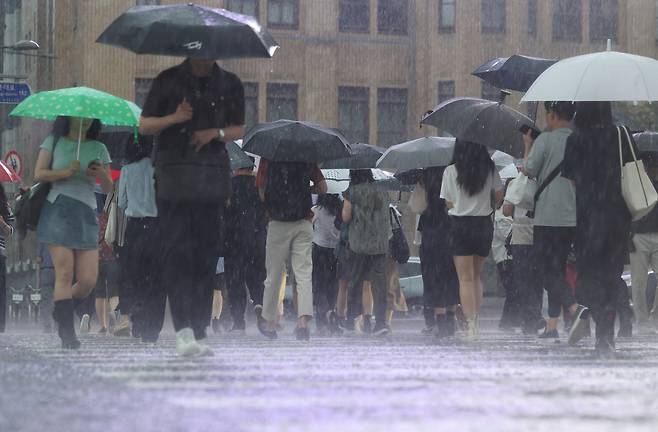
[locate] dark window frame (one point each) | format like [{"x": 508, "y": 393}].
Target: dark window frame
[
  {"x": 387, "y": 95},
  {"x": 444, "y": 28},
  {"x": 489, "y": 92},
  {"x": 230, "y": 5},
  {"x": 384, "y": 26},
  {"x": 346, "y": 10},
  {"x": 270, "y": 96},
  {"x": 560, "y": 13},
  {"x": 442, "y": 95},
  {"x": 354, "y": 95},
  {"x": 599, "y": 23},
  {"x": 251, "y": 93},
  {"x": 490, "y": 7},
  {"x": 283, "y": 26}
]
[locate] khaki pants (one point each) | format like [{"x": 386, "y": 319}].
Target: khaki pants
[
  {"x": 288, "y": 240},
  {"x": 644, "y": 257}
]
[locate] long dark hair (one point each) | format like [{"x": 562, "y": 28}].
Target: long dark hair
[
  {"x": 474, "y": 166},
  {"x": 4, "y": 205},
  {"x": 62, "y": 127},
  {"x": 361, "y": 176},
  {"x": 590, "y": 115},
  {"x": 135, "y": 152},
  {"x": 330, "y": 202}
]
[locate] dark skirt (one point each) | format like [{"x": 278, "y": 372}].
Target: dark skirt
[
  {"x": 69, "y": 223},
  {"x": 471, "y": 235}
]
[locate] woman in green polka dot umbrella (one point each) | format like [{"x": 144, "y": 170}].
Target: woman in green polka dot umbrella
[{"x": 71, "y": 159}]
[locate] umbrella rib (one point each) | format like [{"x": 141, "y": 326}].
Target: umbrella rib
[{"x": 646, "y": 86}]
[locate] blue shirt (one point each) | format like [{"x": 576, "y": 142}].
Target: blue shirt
[
  {"x": 80, "y": 186},
  {"x": 137, "y": 189}
]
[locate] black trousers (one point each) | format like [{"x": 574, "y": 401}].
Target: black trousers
[
  {"x": 440, "y": 282},
  {"x": 244, "y": 269},
  {"x": 325, "y": 282},
  {"x": 511, "y": 316},
  {"x": 190, "y": 243},
  {"x": 367, "y": 268},
  {"x": 524, "y": 274},
  {"x": 552, "y": 245},
  {"x": 3, "y": 292},
  {"x": 146, "y": 297}
]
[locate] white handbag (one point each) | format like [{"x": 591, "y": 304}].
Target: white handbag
[
  {"x": 521, "y": 192},
  {"x": 418, "y": 199},
  {"x": 636, "y": 186},
  {"x": 111, "y": 227}
]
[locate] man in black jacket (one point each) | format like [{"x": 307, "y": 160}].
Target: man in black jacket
[{"x": 244, "y": 260}]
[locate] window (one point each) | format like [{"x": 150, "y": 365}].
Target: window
[
  {"x": 493, "y": 18},
  {"x": 250, "y": 104},
  {"x": 281, "y": 102},
  {"x": 532, "y": 18},
  {"x": 354, "y": 113},
  {"x": 446, "y": 90},
  {"x": 490, "y": 92},
  {"x": 447, "y": 15},
  {"x": 567, "y": 20},
  {"x": 354, "y": 16},
  {"x": 283, "y": 14},
  {"x": 142, "y": 88},
  {"x": 603, "y": 18},
  {"x": 392, "y": 17},
  {"x": 147, "y": 2},
  {"x": 245, "y": 7},
  {"x": 391, "y": 116}
]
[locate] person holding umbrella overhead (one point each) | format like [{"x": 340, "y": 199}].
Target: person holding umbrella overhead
[
  {"x": 68, "y": 223},
  {"x": 467, "y": 188}
]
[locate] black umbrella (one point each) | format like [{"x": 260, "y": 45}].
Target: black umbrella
[
  {"x": 646, "y": 141},
  {"x": 410, "y": 177},
  {"x": 517, "y": 72},
  {"x": 363, "y": 156},
  {"x": 492, "y": 124},
  {"x": 239, "y": 159},
  {"x": 296, "y": 141},
  {"x": 189, "y": 30}
]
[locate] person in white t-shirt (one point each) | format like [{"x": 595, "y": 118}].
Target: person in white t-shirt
[{"x": 470, "y": 187}]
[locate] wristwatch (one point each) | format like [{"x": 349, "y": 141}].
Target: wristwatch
[{"x": 221, "y": 134}]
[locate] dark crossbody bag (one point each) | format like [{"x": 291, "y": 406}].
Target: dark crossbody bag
[
  {"x": 398, "y": 243},
  {"x": 552, "y": 176},
  {"x": 29, "y": 203}
]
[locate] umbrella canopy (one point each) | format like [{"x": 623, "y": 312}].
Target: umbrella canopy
[
  {"x": 492, "y": 124},
  {"x": 604, "y": 76},
  {"x": 363, "y": 156},
  {"x": 239, "y": 159},
  {"x": 7, "y": 174},
  {"x": 508, "y": 172},
  {"x": 646, "y": 141},
  {"x": 79, "y": 102},
  {"x": 502, "y": 159},
  {"x": 420, "y": 153},
  {"x": 517, "y": 72},
  {"x": 338, "y": 180},
  {"x": 189, "y": 30},
  {"x": 296, "y": 141}
]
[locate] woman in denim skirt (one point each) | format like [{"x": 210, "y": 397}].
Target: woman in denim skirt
[{"x": 68, "y": 223}]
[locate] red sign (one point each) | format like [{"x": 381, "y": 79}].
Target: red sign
[{"x": 14, "y": 160}]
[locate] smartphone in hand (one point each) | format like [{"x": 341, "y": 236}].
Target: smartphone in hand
[
  {"x": 525, "y": 128},
  {"x": 93, "y": 163}
]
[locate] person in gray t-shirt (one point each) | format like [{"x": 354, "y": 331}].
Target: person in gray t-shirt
[{"x": 555, "y": 211}]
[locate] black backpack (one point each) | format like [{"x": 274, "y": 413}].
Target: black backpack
[{"x": 288, "y": 190}]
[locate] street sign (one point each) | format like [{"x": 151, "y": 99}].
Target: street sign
[
  {"x": 14, "y": 160},
  {"x": 13, "y": 93}
]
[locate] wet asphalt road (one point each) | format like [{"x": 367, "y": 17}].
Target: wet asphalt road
[{"x": 505, "y": 382}]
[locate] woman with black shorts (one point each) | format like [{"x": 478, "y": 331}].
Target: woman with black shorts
[{"x": 470, "y": 187}]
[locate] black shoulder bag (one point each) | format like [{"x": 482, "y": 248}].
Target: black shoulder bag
[
  {"x": 30, "y": 203},
  {"x": 552, "y": 176},
  {"x": 398, "y": 243}
]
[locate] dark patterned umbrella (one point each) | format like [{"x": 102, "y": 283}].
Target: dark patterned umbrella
[{"x": 517, "y": 72}]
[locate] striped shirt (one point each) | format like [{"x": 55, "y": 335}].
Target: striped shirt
[{"x": 11, "y": 221}]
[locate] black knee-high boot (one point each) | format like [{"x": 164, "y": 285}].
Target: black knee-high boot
[
  {"x": 605, "y": 331},
  {"x": 63, "y": 316}
]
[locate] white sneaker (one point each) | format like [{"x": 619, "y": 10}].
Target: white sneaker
[
  {"x": 186, "y": 345},
  {"x": 206, "y": 351},
  {"x": 358, "y": 324},
  {"x": 471, "y": 333},
  {"x": 85, "y": 324}
]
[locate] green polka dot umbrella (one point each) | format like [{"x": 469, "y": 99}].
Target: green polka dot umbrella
[{"x": 79, "y": 102}]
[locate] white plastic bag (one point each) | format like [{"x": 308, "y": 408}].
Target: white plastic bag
[
  {"x": 111, "y": 227},
  {"x": 636, "y": 186},
  {"x": 521, "y": 192}
]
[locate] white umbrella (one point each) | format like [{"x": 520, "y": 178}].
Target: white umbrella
[
  {"x": 510, "y": 171},
  {"x": 338, "y": 180},
  {"x": 419, "y": 153},
  {"x": 502, "y": 159},
  {"x": 604, "y": 76}
]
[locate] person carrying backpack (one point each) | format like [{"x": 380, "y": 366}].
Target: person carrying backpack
[{"x": 285, "y": 189}]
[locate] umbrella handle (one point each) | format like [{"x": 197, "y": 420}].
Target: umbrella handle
[{"x": 79, "y": 140}]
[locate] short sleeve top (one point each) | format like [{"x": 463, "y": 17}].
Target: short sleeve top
[
  {"x": 463, "y": 203},
  {"x": 79, "y": 186}
]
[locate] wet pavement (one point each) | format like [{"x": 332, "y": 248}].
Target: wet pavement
[{"x": 505, "y": 382}]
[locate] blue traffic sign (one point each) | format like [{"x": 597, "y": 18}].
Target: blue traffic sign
[{"x": 13, "y": 93}]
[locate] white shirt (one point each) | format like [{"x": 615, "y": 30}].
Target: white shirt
[
  {"x": 523, "y": 226},
  {"x": 137, "y": 189},
  {"x": 463, "y": 203},
  {"x": 502, "y": 228}
]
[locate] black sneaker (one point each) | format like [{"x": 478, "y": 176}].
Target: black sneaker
[
  {"x": 261, "y": 323},
  {"x": 346, "y": 324},
  {"x": 428, "y": 330},
  {"x": 303, "y": 334},
  {"x": 238, "y": 330},
  {"x": 451, "y": 324},
  {"x": 549, "y": 334},
  {"x": 216, "y": 325},
  {"x": 580, "y": 328},
  {"x": 604, "y": 349},
  {"x": 625, "y": 330},
  {"x": 381, "y": 331}
]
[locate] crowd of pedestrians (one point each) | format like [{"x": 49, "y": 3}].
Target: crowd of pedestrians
[{"x": 181, "y": 226}]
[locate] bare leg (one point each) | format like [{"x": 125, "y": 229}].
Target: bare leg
[
  {"x": 217, "y": 304},
  {"x": 114, "y": 302},
  {"x": 467, "y": 285},
  {"x": 101, "y": 312},
  {"x": 86, "y": 272},
  {"x": 64, "y": 262},
  {"x": 368, "y": 300},
  {"x": 341, "y": 299},
  {"x": 478, "y": 264}
]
